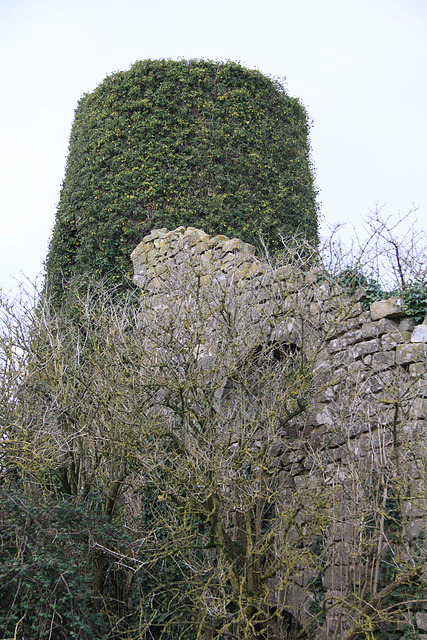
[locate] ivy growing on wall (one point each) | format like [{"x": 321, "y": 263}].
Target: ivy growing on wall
[
  {"x": 413, "y": 295},
  {"x": 199, "y": 143}
]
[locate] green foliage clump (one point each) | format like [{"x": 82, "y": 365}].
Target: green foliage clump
[
  {"x": 198, "y": 143},
  {"x": 58, "y": 578},
  {"x": 415, "y": 298},
  {"x": 352, "y": 279},
  {"x": 50, "y": 580},
  {"x": 413, "y": 295}
]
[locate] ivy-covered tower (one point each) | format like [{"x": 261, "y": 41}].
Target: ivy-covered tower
[{"x": 196, "y": 143}]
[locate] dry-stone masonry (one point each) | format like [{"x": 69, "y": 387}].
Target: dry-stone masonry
[{"x": 370, "y": 403}]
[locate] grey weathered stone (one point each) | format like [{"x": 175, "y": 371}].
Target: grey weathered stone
[
  {"x": 313, "y": 276},
  {"x": 362, "y": 348},
  {"x": 408, "y": 353},
  {"x": 339, "y": 344},
  {"x": 420, "y": 333},
  {"x": 406, "y": 324},
  {"x": 382, "y": 360},
  {"x": 335, "y": 578},
  {"x": 418, "y": 369},
  {"x": 157, "y": 233},
  {"x": 389, "y": 341},
  {"x": 390, "y": 308},
  {"x": 359, "y": 359},
  {"x": 421, "y": 619}
]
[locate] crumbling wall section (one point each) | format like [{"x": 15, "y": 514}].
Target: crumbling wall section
[{"x": 370, "y": 398}]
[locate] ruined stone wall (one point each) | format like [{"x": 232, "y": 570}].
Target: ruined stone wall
[{"x": 370, "y": 402}]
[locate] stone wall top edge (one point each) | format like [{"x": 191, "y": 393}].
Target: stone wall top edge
[{"x": 162, "y": 244}]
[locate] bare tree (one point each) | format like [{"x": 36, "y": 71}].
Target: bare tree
[
  {"x": 190, "y": 411},
  {"x": 389, "y": 248}
]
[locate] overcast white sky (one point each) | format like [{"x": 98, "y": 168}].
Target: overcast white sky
[{"x": 359, "y": 66}]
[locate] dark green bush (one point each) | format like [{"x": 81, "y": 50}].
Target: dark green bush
[
  {"x": 57, "y": 582},
  {"x": 414, "y": 295},
  {"x": 48, "y": 569},
  {"x": 352, "y": 279},
  {"x": 200, "y": 143},
  {"x": 415, "y": 298}
]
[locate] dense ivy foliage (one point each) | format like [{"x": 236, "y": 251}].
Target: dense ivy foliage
[
  {"x": 200, "y": 143},
  {"x": 415, "y": 298},
  {"x": 58, "y": 578},
  {"x": 50, "y": 569}
]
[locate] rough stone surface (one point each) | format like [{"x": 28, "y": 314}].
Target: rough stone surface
[
  {"x": 390, "y": 308},
  {"x": 421, "y": 619},
  {"x": 360, "y": 360},
  {"x": 420, "y": 333},
  {"x": 408, "y": 353}
]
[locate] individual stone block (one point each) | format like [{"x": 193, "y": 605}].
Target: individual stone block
[
  {"x": 339, "y": 344},
  {"x": 195, "y": 235},
  {"x": 374, "y": 384},
  {"x": 390, "y": 324},
  {"x": 253, "y": 270},
  {"x": 151, "y": 254},
  {"x": 320, "y": 416},
  {"x": 357, "y": 428},
  {"x": 421, "y": 619},
  {"x": 322, "y": 291},
  {"x": 297, "y": 600},
  {"x": 351, "y": 337},
  {"x": 408, "y": 353},
  {"x": 137, "y": 251},
  {"x": 340, "y": 551},
  {"x": 363, "y": 348},
  {"x": 337, "y": 455},
  {"x": 159, "y": 301},
  {"x": 389, "y": 341},
  {"x": 140, "y": 281},
  {"x": 382, "y": 360},
  {"x": 312, "y": 276},
  {"x": 156, "y": 233},
  {"x": 342, "y": 531},
  {"x": 419, "y": 409},
  {"x": 237, "y": 245},
  {"x": 390, "y": 308},
  {"x": 416, "y": 527},
  {"x": 370, "y": 330},
  {"x": 217, "y": 241},
  {"x": 420, "y": 333},
  {"x": 323, "y": 372},
  {"x": 285, "y": 272},
  {"x": 315, "y": 308},
  {"x": 356, "y": 310},
  {"x": 413, "y": 509},
  {"x": 159, "y": 269},
  {"x": 406, "y": 324},
  {"x": 161, "y": 243},
  {"x": 346, "y": 325},
  {"x": 418, "y": 369},
  {"x": 199, "y": 247},
  {"x": 327, "y": 395},
  {"x": 288, "y": 331},
  {"x": 359, "y": 294}
]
